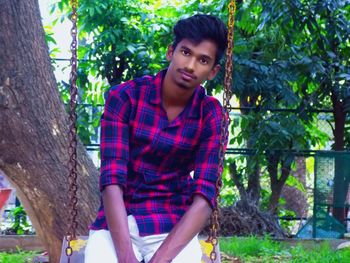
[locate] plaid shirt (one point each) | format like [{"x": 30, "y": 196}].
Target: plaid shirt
[{"x": 152, "y": 158}]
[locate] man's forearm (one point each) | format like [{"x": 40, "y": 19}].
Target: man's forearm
[
  {"x": 184, "y": 231},
  {"x": 117, "y": 221}
]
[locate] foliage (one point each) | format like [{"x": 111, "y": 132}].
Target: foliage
[
  {"x": 253, "y": 249},
  {"x": 132, "y": 42},
  {"x": 288, "y": 54},
  {"x": 18, "y": 256},
  {"x": 284, "y": 58},
  {"x": 287, "y": 225},
  {"x": 317, "y": 35},
  {"x": 228, "y": 193},
  {"x": 20, "y": 224}
]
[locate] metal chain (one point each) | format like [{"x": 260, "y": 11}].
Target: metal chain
[
  {"x": 72, "y": 150},
  {"x": 73, "y": 131},
  {"x": 213, "y": 238}
]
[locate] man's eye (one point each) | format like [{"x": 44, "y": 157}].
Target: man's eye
[
  {"x": 204, "y": 61},
  {"x": 185, "y": 52}
]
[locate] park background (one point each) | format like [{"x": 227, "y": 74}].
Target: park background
[{"x": 291, "y": 104}]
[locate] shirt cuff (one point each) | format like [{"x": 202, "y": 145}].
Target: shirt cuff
[
  {"x": 113, "y": 172},
  {"x": 206, "y": 190}
]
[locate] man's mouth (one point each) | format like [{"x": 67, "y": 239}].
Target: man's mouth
[{"x": 186, "y": 75}]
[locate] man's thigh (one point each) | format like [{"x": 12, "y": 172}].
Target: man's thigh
[
  {"x": 192, "y": 253},
  {"x": 100, "y": 248}
]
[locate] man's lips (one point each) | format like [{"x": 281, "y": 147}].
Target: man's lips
[{"x": 186, "y": 75}]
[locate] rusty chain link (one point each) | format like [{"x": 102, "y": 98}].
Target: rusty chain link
[
  {"x": 72, "y": 150},
  {"x": 214, "y": 220}
]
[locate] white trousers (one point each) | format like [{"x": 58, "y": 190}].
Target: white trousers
[{"x": 100, "y": 246}]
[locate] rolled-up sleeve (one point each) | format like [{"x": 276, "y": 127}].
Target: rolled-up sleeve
[
  {"x": 207, "y": 157},
  {"x": 115, "y": 139}
]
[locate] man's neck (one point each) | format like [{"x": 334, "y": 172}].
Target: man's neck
[{"x": 174, "y": 96}]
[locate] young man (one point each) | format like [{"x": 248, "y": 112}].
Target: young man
[{"x": 155, "y": 131}]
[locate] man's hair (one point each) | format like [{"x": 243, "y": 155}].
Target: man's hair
[{"x": 198, "y": 28}]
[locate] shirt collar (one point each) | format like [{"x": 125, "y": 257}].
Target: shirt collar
[
  {"x": 156, "y": 88},
  {"x": 156, "y": 97},
  {"x": 196, "y": 99}
]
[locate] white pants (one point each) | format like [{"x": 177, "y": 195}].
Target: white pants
[{"x": 100, "y": 247}]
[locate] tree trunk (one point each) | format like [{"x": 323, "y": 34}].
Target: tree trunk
[
  {"x": 340, "y": 182},
  {"x": 276, "y": 190},
  {"x": 272, "y": 167},
  {"x": 276, "y": 183},
  {"x": 34, "y": 129},
  {"x": 295, "y": 199},
  {"x": 339, "y": 122},
  {"x": 254, "y": 188}
]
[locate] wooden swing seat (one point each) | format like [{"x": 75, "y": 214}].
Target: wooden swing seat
[{"x": 79, "y": 248}]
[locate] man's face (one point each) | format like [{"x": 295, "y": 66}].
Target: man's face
[{"x": 192, "y": 64}]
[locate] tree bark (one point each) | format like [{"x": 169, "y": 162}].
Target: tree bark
[
  {"x": 295, "y": 199},
  {"x": 34, "y": 129},
  {"x": 340, "y": 182},
  {"x": 254, "y": 188},
  {"x": 339, "y": 122},
  {"x": 276, "y": 183}
]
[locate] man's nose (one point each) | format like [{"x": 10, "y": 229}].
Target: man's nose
[{"x": 191, "y": 64}]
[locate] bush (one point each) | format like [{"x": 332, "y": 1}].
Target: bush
[{"x": 18, "y": 256}]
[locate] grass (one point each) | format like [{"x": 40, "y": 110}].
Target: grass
[
  {"x": 252, "y": 249},
  {"x": 17, "y": 256},
  {"x": 247, "y": 250}
]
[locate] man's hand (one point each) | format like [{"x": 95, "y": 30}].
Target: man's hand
[
  {"x": 127, "y": 257},
  {"x": 157, "y": 258},
  {"x": 184, "y": 231},
  {"x": 118, "y": 223}
]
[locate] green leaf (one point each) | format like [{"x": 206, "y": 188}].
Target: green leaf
[
  {"x": 131, "y": 48},
  {"x": 295, "y": 182}
]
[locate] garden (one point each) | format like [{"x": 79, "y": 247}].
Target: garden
[{"x": 285, "y": 192}]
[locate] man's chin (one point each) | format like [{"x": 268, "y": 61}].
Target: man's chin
[{"x": 184, "y": 85}]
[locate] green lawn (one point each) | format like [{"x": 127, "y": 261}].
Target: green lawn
[
  {"x": 250, "y": 249},
  {"x": 253, "y": 249}
]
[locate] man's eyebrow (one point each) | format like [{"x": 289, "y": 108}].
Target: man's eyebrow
[
  {"x": 207, "y": 57},
  {"x": 184, "y": 47}
]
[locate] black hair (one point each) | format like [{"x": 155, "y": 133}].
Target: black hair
[{"x": 200, "y": 27}]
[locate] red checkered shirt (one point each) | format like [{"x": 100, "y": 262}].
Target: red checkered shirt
[{"x": 152, "y": 158}]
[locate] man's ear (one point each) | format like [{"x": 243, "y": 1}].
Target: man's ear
[
  {"x": 170, "y": 52},
  {"x": 213, "y": 72}
]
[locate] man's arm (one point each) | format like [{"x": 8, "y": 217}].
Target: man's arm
[
  {"x": 184, "y": 231},
  {"x": 117, "y": 222},
  {"x": 204, "y": 188},
  {"x": 113, "y": 179}
]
